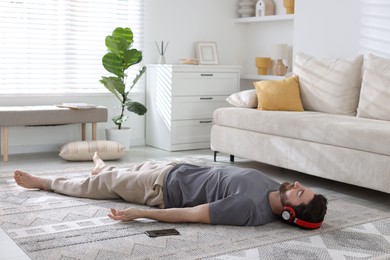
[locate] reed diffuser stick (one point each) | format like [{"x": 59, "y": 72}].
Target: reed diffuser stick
[
  {"x": 166, "y": 46},
  {"x": 160, "y": 48}
]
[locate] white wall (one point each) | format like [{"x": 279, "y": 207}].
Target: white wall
[
  {"x": 328, "y": 28},
  {"x": 342, "y": 28},
  {"x": 184, "y": 22}
]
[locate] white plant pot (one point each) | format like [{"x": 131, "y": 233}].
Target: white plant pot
[{"x": 121, "y": 136}]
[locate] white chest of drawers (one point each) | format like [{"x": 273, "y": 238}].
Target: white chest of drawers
[{"x": 181, "y": 100}]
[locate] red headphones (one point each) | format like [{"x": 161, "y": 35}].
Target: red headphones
[{"x": 288, "y": 214}]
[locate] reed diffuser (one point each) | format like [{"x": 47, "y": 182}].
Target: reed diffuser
[{"x": 161, "y": 50}]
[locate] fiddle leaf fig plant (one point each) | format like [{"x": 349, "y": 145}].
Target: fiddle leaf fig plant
[{"x": 119, "y": 58}]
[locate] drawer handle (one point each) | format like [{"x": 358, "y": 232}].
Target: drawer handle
[
  {"x": 207, "y": 74},
  {"x": 206, "y": 98},
  {"x": 205, "y": 121}
]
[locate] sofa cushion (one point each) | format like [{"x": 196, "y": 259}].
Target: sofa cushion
[
  {"x": 329, "y": 85},
  {"x": 375, "y": 93},
  {"x": 279, "y": 94},
  {"x": 245, "y": 98},
  {"x": 338, "y": 130}
]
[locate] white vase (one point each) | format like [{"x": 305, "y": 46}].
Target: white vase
[{"x": 121, "y": 136}]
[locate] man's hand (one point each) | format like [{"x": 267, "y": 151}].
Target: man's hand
[{"x": 125, "y": 215}]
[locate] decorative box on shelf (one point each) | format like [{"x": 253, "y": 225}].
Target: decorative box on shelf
[{"x": 181, "y": 100}]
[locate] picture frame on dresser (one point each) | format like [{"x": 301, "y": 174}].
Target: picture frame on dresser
[{"x": 207, "y": 53}]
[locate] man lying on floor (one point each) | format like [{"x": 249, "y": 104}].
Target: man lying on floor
[{"x": 190, "y": 193}]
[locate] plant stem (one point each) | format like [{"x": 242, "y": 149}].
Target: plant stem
[
  {"x": 124, "y": 99},
  {"x": 122, "y": 113}
]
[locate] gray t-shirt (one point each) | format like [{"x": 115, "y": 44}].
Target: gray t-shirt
[{"x": 237, "y": 196}]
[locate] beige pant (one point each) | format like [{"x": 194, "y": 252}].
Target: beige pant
[{"x": 141, "y": 183}]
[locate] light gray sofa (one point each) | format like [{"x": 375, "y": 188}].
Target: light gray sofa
[{"x": 342, "y": 145}]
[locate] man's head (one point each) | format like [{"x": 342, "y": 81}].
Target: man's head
[{"x": 307, "y": 205}]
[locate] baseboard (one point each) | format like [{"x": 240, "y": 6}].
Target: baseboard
[
  {"x": 42, "y": 148},
  {"x": 33, "y": 148}
]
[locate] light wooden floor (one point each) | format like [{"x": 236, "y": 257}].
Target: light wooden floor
[{"x": 51, "y": 161}]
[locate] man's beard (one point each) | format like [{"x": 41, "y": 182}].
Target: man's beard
[{"x": 284, "y": 187}]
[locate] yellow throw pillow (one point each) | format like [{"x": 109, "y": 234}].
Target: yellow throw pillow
[{"x": 280, "y": 95}]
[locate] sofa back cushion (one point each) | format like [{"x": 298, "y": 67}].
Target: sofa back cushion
[
  {"x": 375, "y": 93},
  {"x": 330, "y": 85}
]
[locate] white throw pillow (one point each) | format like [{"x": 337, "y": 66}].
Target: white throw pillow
[
  {"x": 328, "y": 84},
  {"x": 245, "y": 98},
  {"x": 84, "y": 150},
  {"x": 375, "y": 93}
]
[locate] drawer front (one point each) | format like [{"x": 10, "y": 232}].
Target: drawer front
[
  {"x": 196, "y": 107},
  {"x": 190, "y": 83},
  {"x": 191, "y": 131}
]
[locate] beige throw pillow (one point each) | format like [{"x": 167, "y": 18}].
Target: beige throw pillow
[
  {"x": 375, "y": 93},
  {"x": 245, "y": 98},
  {"x": 329, "y": 85},
  {"x": 84, "y": 150}
]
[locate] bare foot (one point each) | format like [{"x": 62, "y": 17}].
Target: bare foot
[
  {"x": 99, "y": 164},
  {"x": 30, "y": 181}
]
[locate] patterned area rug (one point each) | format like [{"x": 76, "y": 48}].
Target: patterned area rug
[{"x": 51, "y": 226}]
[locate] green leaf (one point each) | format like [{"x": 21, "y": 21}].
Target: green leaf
[
  {"x": 136, "y": 107},
  {"x": 120, "y": 40},
  {"x": 141, "y": 71},
  {"x": 112, "y": 45},
  {"x": 118, "y": 120},
  {"x": 113, "y": 64},
  {"x": 115, "y": 85},
  {"x": 132, "y": 57},
  {"x": 125, "y": 34}
]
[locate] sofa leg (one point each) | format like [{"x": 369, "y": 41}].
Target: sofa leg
[
  {"x": 215, "y": 156},
  {"x": 232, "y": 158}
]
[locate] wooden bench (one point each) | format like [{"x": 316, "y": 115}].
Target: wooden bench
[{"x": 48, "y": 115}]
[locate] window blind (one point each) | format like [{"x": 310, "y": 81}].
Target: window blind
[{"x": 56, "y": 46}]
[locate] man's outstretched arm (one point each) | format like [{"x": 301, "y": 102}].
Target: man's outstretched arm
[{"x": 197, "y": 214}]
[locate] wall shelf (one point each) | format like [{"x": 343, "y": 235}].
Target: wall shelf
[
  {"x": 261, "y": 77},
  {"x": 268, "y": 18}
]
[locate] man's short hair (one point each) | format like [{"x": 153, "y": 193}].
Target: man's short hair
[{"x": 314, "y": 211}]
